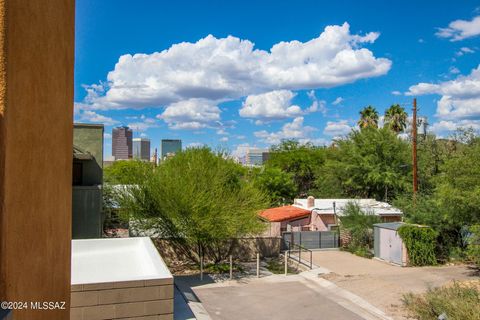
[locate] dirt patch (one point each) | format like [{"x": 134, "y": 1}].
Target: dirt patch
[{"x": 382, "y": 284}]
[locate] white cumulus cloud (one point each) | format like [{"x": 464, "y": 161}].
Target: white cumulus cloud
[
  {"x": 337, "y": 101},
  {"x": 191, "y": 114},
  {"x": 143, "y": 125},
  {"x": 460, "y": 29},
  {"x": 223, "y": 69},
  {"x": 460, "y": 97},
  {"x": 338, "y": 128},
  {"x": 93, "y": 117},
  {"x": 271, "y": 105},
  {"x": 290, "y": 130},
  {"x": 445, "y": 127}
]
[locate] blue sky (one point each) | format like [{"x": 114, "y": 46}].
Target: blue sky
[{"x": 297, "y": 69}]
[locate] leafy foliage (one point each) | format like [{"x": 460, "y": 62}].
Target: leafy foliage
[
  {"x": 420, "y": 243},
  {"x": 277, "y": 184},
  {"x": 127, "y": 172},
  {"x": 360, "y": 225},
  {"x": 298, "y": 160},
  {"x": 368, "y": 164},
  {"x": 199, "y": 200},
  {"x": 458, "y": 188}
]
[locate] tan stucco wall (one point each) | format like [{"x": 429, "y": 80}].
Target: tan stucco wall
[{"x": 36, "y": 109}]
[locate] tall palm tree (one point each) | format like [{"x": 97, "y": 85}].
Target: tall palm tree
[
  {"x": 368, "y": 118},
  {"x": 396, "y": 118}
]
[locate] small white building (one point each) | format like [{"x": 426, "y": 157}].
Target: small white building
[{"x": 388, "y": 245}]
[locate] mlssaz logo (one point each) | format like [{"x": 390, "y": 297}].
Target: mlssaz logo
[{"x": 47, "y": 305}]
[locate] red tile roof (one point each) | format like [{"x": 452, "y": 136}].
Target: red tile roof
[{"x": 284, "y": 213}]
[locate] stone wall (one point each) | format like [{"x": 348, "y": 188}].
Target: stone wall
[{"x": 245, "y": 249}]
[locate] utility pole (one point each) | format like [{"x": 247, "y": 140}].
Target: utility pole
[{"x": 414, "y": 151}]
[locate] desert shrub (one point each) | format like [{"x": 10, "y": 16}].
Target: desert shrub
[
  {"x": 457, "y": 302},
  {"x": 420, "y": 243},
  {"x": 360, "y": 227}
]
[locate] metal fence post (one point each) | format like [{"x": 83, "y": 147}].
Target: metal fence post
[
  {"x": 201, "y": 265},
  {"x": 258, "y": 265},
  {"x": 231, "y": 267},
  {"x": 286, "y": 262}
]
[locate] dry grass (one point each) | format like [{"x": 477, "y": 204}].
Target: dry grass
[{"x": 458, "y": 301}]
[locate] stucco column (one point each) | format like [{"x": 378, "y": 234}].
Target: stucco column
[{"x": 36, "y": 109}]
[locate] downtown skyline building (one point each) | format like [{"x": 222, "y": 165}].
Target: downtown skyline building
[
  {"x": 141, "y": 148},
  {"x": 122, "y": 144},
  {"x": 170, "y": 147}
]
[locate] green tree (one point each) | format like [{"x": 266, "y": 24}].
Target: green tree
[
  {"x": 369, "y": 163},
  {"x": 299, "y": 160},
  {"x": 458, "y": 188},
  {"x": 396, "y": 118},
  {"x": 199, "y": 200},
  {"x": 368, "y": 118},
  {"x": 127, "y": 172},
  {"x": 277, "y": 184}
]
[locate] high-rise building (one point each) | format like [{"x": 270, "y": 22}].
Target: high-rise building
[
  {"x": 256, "y": 156},
  {"x": 141, "y": 148},
  {"x": 122, "y": 143},
  {"x": 169, "y": 147}
]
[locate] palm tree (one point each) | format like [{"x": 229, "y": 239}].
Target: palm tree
[
  {"x": 396, "y": 118},
  {"x": 368, "y": 118}
]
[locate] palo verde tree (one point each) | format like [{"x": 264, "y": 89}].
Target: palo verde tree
[{"x": 199, "y": 200}]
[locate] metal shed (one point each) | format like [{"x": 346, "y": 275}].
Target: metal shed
[{"x": 388, "y": 245}]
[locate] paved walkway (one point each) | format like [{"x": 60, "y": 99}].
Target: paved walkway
[
  {"x": 181, "y": 310},
  {"x": 382, "y": 284},
  {"x": 304, "y": 296}
]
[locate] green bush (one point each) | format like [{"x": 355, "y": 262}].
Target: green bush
[
  {"x": 420, "y": 243},
  {"x": 360, "y": 226},
  {"x": 473, "y": 249},
  {"x": 456, "y": 302},
  {"x": 221, "y": 268}
]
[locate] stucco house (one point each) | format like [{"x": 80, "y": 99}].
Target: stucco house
[{"x": 312, "y": 214}]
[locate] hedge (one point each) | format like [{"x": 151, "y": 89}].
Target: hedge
[{"x": 420, "y": 243}]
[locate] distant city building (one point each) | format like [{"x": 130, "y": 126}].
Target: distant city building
[
  {"x": 122, "y": 143},
  {"x": 141, "y": 148},
  {"x": 256, "y": 156},
  {"x": 170, "y": 147}
]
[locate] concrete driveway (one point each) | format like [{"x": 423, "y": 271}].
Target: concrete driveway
[
  {"x": 382, "y": 284},
  {"x": 280, "y": 301},
  {"x": 301, "y": 297}
]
